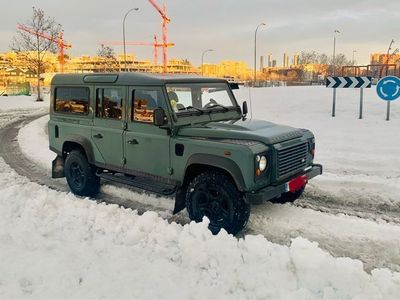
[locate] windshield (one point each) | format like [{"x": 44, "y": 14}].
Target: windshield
[{"x": 200, "y": 98}]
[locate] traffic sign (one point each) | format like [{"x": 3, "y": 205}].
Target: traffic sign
[
  {"x": 348, "y": 82},
  {"x": 388, "y": 88}
]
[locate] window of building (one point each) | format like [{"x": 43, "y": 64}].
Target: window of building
[
  {"x": 145, "y": 100},
  {"x": 109, "y": 103},
  {"x": 72, "y": 100}
]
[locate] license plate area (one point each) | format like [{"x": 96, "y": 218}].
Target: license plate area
[{"x": 296, "y": 183}]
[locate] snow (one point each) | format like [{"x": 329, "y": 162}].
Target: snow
[
  {"x": 59, "y": 246},
  {"x": 22, "y": 102},
  {"x": 62, "y": 246}
]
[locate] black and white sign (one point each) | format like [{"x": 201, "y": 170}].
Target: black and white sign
[{"x": 349, "y": 82}]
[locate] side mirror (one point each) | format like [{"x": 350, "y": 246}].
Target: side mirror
[
  {"x": 159, "y": 117},
  {"x": 234, "y": 85},
  {"x": 244, "y": 108}
]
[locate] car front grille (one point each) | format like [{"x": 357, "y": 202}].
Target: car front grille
[{"x": 291, "y": 159}]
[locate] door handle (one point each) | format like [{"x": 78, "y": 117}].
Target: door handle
[
  {"x": 133, "y": 142},
  {"x": 98, "y": 136}
]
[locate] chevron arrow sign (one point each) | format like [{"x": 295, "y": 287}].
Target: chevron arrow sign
[{"x": 349, "y": 82}]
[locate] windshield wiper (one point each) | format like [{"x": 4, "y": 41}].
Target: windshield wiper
[
  {"x": 218, "y": 105},
  {"x": 191, "y": 107}
]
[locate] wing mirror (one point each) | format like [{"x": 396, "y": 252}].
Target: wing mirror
[
  {"x": 244, "y": 109},
  {"x": 159, "y": 117}
]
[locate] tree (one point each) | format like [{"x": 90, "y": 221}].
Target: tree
[
  {"x": 32, "y": 47},
  {"x": 108, "y": 58}
]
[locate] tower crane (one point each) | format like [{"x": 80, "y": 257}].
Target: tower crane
[
  {"x": 59, "y": 41},
  {"x": 165, "y": 20},
  {"x": 155, "y": 45}
]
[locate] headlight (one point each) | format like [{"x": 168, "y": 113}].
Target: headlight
[{"x": 262, "y": 162}]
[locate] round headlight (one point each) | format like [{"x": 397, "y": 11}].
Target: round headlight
[{"x": 262, "y": 163}]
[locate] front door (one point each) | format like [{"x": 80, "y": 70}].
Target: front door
[
  {"x": 107, "y": 132},
  {"x": 146, "y": 145}
]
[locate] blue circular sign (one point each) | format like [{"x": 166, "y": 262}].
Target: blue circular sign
[{"x": 388, "y": 88}]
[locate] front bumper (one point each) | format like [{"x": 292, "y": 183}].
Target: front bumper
[{"x": 273, "y": 191}]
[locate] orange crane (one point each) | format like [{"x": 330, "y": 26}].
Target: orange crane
[
  {"x": 155, "y": 45},
  {"x": 165, "y": 21},
  {"x": 59, "y": 41}
]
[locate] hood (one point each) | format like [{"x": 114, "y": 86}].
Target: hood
[{"x": 254, "y": 130}]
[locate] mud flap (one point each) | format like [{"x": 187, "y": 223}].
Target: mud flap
[
  {"x": 57, "y": 169},
  {"x": 180, "y": 203}
]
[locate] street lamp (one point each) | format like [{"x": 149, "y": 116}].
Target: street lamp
[
  {"x": 123, "y": 32},
  {"x": 353, "y": 61},
  {"x": 333, "y": 71},
  {"x": 334, "y": 51},
  {"x": 255, "y": 52},
  {"x": 202, "y": 58}
]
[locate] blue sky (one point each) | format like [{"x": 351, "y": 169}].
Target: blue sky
[{"x": 224, "y": 25}]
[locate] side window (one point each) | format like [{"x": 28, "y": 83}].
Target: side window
[
  {"x": 145, "y": 100},
  {"x": 72, "y": 100},
  {"x": 109, "y": 103}
]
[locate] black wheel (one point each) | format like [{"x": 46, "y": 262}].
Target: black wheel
[
  {"x": 214, "y": 195},
  {"x": 81, "y": 176},
  {"x": 289, "y": 196}
]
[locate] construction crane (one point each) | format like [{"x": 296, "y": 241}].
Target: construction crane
[
  {"x": 155, "y": 46},
  {"x": 59, "y": 41},
  {"x": 165, "y": 21}
]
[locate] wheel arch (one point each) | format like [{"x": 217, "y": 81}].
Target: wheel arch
[
  {"x": 80, "y": 143},
  {"x": 199, "y": 163}
]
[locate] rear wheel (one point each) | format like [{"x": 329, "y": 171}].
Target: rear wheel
[
  {"x": 214, "y": 195},
  {"x": 81, "y": 176},
  {"x": 289, "y": 196}
]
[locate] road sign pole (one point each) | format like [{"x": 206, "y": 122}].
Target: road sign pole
[
  {"x": 388, "y": 111},
  {"x": 334, "y": 103},
  {"x": 361, "y": 103}
]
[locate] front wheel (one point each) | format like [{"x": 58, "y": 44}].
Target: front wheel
[
  {"x": 214, "y": 195},
  {"x": 81, "y": 176}
]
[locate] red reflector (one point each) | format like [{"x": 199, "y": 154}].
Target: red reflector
[{"x": 297, "y": 183}]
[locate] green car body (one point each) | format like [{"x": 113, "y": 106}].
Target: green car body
[{"x": 185, "y": 144}]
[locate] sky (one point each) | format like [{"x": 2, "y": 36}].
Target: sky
[{"x": 227, "y": 26}]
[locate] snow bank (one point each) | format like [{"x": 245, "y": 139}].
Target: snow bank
[
  {"x": 54, "y": 245},
  {"x": 22, "y": 102},
  {"x": 34, "y": 142}
]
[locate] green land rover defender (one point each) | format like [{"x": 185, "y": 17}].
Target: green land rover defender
[{"x": 175, "y": 135}]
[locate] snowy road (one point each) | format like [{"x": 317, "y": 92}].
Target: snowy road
[
  {"x": 358, "y": 238},
  {"x": 61, "y": 246}
]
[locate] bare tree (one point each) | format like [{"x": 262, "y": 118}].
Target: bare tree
[
  {"x": 107, "y": 55},
  {"x": 34, "y": 39}
]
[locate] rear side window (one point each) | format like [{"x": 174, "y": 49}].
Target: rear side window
[
  {"x": 72, "y": 100},
  {"x": 109, "y": 103}
]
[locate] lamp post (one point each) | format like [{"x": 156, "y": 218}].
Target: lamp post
[
  {"x": 334, "y": 52},
  {"x": 123, "y": 32},
  {"x": 353, "y": 61},
  {"x": 202, "y": 58},
  {"x": 255, "y": 52},
  {"x": 387, "y": 71},
  {"x": 333, "y": 71}
]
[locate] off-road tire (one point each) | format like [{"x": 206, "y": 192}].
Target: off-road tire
[
  {"x": 81, "y": 176},
  {"x": 289, "y": 197},
  {"x": 214, "y": 195}
]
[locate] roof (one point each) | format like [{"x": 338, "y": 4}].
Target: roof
[{"x": 132, "y": 78}]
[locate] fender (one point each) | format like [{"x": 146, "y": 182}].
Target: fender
[
  {"x": 84, "y": 142},
  {"x": 223, "y": 163},
  {"x": 215, "y": 161}
]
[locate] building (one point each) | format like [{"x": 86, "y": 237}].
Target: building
[{"x": 236, "y": 69}]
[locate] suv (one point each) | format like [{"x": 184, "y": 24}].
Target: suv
[{"x": 175, "y": 135}]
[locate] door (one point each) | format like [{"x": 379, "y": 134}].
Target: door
[
  {"x": 146, "y": 145},
  {"x": 109, "y": 120}
]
